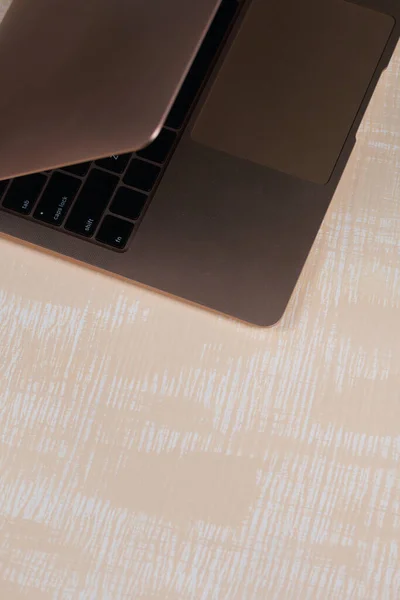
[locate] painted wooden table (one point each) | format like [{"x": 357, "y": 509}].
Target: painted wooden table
[{"x": 149, "y": 450}]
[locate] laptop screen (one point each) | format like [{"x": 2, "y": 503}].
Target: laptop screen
[{"x": 81, "y": 80}]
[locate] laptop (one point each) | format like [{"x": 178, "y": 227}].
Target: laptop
[{"x": 191, "y": 147}]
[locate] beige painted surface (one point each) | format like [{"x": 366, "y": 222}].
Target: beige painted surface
[{"x": 149, "y": 450}]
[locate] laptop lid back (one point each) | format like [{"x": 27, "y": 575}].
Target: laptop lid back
[{"x": 86, "y": 79}]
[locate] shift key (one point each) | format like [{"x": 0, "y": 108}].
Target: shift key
[
  {"x": 57, "y": 198},
  {"x": 91, "y": 203}
]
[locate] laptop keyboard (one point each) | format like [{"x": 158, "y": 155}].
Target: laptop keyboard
[{"x": 103, "y": 201}]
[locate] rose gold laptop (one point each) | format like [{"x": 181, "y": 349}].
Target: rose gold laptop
[{"x": 192, "y": 147}]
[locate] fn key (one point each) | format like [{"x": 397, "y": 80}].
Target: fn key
[{"x": 114, "y": 232}]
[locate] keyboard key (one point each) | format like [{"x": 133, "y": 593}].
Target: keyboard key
[
  {"x": 116, "y": 163},
  {"x": 114, "y": 232},
  {"x": 159, "y": 150},
  {"x": 128, "y": 203},
  {"x": 23, "y": 193},
  {"x": 57, "y": 198},
  {"x": 3, "y": 186},
  {"x": 80, "y": 169},
  {"x": 201, "y": 64},
  {"x": 142, "y": 175},
  {"x": 91, "y": 202}
]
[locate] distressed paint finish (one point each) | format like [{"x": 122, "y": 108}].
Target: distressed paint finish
[{"x": 150, "y": 450}]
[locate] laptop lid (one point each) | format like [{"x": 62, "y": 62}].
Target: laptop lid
[{"x": 86, "y": 79}]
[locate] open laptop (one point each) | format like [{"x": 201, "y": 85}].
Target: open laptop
[{"x": 192, "y": 147}]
